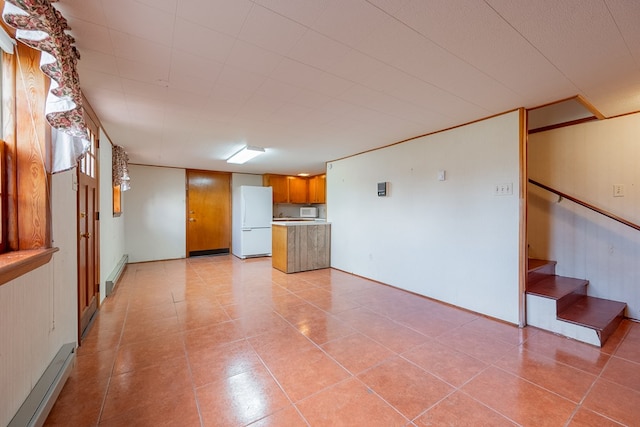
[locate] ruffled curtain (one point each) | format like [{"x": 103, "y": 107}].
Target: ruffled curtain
[
  {"x": 120, "y": 171},
  {"x": 39, "y": 25}
]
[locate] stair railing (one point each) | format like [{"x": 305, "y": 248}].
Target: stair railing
[{"x": 587, "y": 205}]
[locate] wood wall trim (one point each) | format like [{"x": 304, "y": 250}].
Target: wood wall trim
[
  {"x": 522, "y": 232},
  {"x": 15, "y": 264},
  {"x": 421, "y": 136},
  {"x": 9, "y": 136}
]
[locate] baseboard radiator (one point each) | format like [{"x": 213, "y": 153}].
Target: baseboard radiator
[
  {"x": 112, "y": 280},
  {"x": 38, "y": 404}
]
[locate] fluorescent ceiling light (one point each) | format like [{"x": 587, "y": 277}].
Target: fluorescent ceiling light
[{"x": 246, "y": 154}]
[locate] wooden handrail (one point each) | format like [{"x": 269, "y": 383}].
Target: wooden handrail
[{"x": 587, "y": 205}]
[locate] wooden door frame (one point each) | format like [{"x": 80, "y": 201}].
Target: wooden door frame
[{"x": 94, "y": 130}]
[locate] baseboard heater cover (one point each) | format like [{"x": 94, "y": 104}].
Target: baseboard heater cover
[
  {"x": 112, "y": 280},
  {"x": 38, "y": 404}
]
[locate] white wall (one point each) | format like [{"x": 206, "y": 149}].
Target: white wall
[
  {"x": 585, "y": 161},
  {"x": 38, "y": 311},
  {"x": 112, "y": 241},
  {"x": 155, "y": 216},
  {"x": 451, "y": 240}
]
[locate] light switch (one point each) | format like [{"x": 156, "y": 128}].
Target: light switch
[
  {"x": 618, "y": 190},
  {"x": 442, "y": 175}
]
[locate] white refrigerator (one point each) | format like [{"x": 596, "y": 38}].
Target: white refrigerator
[{"x": 252, "y": 212}]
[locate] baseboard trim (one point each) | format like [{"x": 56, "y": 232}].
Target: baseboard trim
[
  {"x": 112, "y": 280},
  {"x": 38, "y": 404}
]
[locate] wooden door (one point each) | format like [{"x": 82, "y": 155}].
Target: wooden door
[
  {"x": 88, "y": 239},
  {"x": 208, "y": 212}
]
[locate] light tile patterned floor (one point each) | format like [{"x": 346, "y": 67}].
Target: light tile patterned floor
[{"x": 216, "y": 341}]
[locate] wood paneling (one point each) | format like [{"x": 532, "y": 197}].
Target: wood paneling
[
  {"x": 279, "y": 247},
  {"x": 32, "y": 161},
  {"x": 301, "y": 247}
]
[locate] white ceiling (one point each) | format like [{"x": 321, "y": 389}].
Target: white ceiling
[{"x": 187, "y": 83}]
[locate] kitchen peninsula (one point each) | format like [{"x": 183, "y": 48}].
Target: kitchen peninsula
[{"x": 301, "y": 245}]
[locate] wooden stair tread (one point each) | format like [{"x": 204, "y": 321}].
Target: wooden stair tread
[
  {"x": 556, "y": 287},
  {"x": 592, "y": 312}
]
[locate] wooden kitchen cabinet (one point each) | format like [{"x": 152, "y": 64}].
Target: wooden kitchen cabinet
[
  {"x": 317, "y": 189},
  {"x": 280, "y": 186},
  {"x": 298, "y": 192}
]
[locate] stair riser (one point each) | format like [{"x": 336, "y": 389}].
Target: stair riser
[
  {"x": 569, "y": 299},
  {"x": 541, "y": 313},
  {"x": 540, "y": 273}
]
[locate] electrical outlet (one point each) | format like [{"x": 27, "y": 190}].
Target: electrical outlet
[
  {"x": 618, "y": 190},
  {"x": 504, "y": 189}
]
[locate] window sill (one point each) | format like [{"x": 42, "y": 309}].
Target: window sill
[{"x": 15, "y": 264}]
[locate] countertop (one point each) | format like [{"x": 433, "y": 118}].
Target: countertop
[{"x": 288, "y": 222}]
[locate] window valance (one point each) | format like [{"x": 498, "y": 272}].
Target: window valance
[
  {"x": 120, "y": 171},
  {"x": 39, "y": 25}
]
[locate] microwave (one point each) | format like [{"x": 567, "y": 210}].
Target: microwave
[{"x": 308, "y": 212}]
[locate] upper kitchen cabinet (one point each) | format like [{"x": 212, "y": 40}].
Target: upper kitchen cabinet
[
  {"x": 295, "y": 189},
  {"x": 317, "y": 189},
  {"x": 280, "y": 185},
  {"x": 298, "y": 189}
]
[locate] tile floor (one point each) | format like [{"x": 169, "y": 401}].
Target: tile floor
[{"x": 216, "y": 341}]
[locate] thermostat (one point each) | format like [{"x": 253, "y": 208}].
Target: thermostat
[{"x": 382, "y": 189}]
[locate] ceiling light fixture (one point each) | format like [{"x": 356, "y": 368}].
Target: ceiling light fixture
[{"x": 247, "y": 153}]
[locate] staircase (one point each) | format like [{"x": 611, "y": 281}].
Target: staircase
[{"x": 561, "y": 304}]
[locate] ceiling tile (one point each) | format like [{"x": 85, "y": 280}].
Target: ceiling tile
[
  {"x": 302, "y": 75},
  {"x": 138, "y": 49},
  {"x": 220, "y": 15},
  {"x": 570, "y": 35},
  {"x": 317, "y": 50},
  {"x": 354, "y": 66},
  {"x": 91, "y": 36},
  {"x": 86, "y": 10},
  {"x": 477, "y": 35},
  {"x": 349, "y": 22},
  {"x": 271, "y": 31},
  {"x": 249, "y": 57},
  {"x": 304, "y": 12},
  {"x": 150, "y": 92},
  {"x": 98, "y": 61},
  {"x": 100, "y": 80},
  {"x": 140, "y": 20},
  {"x": 193, "y": 73},
  {"x": 143, "y": 72},
  {"x": 164, "y": 5},
  {"x": 236, "y": 78},
  {"x": 202, "y": 41}
]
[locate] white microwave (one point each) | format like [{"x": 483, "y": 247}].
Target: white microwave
[{"x": 308, "y": 212}]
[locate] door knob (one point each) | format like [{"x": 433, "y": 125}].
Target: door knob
[
  {"x": 192, "y": 220},
  {"x": 87, "y": 235}
]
